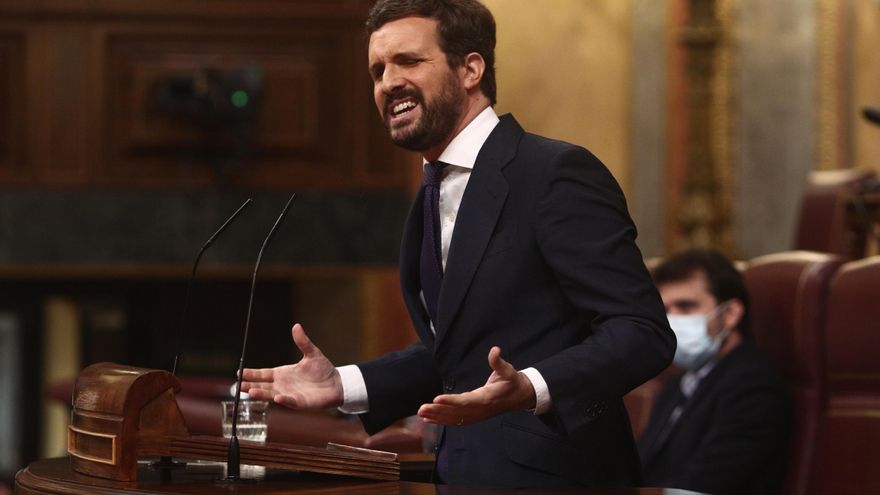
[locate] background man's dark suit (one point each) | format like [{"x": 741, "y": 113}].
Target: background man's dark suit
[
  {"x": 543, "y": 264},
  {"x": 732, "y": 433}
]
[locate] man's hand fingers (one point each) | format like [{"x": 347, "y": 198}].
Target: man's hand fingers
[
  {"x": 498, "y": 364},
  {"x": 248, "y": 386},
  {"x": 440, "y": 414},
  {"x": 260, "y": 393},
  {"x": 284, "y": 400},
  {"x": 438, "y": 409},
  {"x": 456, "y": 400},
  {"x": 303, "y": 342},
  {"x": 258, "y": 375}
]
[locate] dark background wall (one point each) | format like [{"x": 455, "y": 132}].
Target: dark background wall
[{"x": 129, "y": 131}]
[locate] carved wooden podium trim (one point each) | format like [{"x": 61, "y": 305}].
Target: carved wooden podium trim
[
  {"x": 73, "y": 436},
  {"x": 136, "y": 410}
]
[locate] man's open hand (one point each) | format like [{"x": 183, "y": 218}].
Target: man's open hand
[
  {"x": 505, "y": 390},
  {"x": 312, "y": 383}
]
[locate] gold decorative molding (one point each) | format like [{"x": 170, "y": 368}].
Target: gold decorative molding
[{"x": 704, "y": 214}]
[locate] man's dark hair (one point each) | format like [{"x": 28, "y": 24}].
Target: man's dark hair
[
  {"x": 725, "y": 281},
  {"x": 463, "y": 27}
]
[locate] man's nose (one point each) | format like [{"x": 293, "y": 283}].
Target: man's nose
[{"x": 391, "y": 81}]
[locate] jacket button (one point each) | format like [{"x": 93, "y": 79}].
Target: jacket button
[{"x": 449, "y": 385}]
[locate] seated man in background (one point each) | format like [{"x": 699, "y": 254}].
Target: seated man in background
[{"x": 723, "y": 425}]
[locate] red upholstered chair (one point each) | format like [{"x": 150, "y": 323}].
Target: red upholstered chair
[
  {"x": 788, "y": 295},
  {"x": 850, "y": 440},
  {"x": 822, "y": 220},
  {"x": 640, "y": 401}
]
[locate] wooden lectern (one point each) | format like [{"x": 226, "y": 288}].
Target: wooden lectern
[{"x": 123, "y": 413}]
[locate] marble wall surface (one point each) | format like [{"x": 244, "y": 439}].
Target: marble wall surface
[
  {"x": 598, "y": 73},
  {"x": 650, "y": 121},
  {"x": 168, "y": 227},
  {"x": 775, "y": 126}
]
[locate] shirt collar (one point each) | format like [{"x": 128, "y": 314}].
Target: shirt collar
[{"x": 462, "y": 151}]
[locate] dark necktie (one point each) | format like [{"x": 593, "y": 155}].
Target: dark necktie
[
  {"x": 431, "y": 261},
  {"x": 431, "y": 269}
]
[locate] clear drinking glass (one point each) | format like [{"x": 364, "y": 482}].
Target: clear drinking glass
[{"x": 251, "y": 419}]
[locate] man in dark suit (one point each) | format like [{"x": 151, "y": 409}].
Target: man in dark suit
[
  {"x": 723, "y": 425},
  {"x": 516, "y": 244}
]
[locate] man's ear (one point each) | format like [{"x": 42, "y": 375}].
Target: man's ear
[
  {"x": 733, "y": 313},
  {"x": 472, "y": 70}
]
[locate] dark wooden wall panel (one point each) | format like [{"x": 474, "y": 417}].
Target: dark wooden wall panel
[
  {"x": 12, "y": 107},
  {"x": 93, "y": 68},
  {"x": 103, "y": 197},
  {"x": 62, "y": 135},
  {"x": 302, "y": 136}
]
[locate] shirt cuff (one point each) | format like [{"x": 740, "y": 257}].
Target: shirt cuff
[
  {"x": 354, "y": 390},
  {"x": 543, "y": 402}
]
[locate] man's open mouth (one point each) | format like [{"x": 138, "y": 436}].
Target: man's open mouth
[{"x": 403, "y": 107}]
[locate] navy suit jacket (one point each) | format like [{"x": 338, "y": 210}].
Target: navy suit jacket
[{"x": 542, "y": 263}]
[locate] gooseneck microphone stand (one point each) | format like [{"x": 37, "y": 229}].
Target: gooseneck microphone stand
[
  {"x": 233, "y": 458},
  {"x": 166, "y": 462},
  {"x": 182, "y": 327}
]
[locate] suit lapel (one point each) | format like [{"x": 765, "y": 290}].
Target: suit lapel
[{"x": 480, "y": 208}]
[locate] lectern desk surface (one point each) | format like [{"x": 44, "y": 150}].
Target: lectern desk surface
[{"x": 54, "y": 477}]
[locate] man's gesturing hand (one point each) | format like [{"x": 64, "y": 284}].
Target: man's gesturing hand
[
  {"x": 312, "y": 383},
  {"x": 505, "y": 390}
]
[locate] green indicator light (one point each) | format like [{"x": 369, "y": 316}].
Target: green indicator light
[{"x": 239, "y": 99}]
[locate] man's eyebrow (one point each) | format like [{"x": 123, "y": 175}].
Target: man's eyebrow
[
  {"x": 401, "y": 56},
  {"x": 407, "y": 55},
  {"x": 397, "y": 57},
  {"x": 684, "y": 303}
]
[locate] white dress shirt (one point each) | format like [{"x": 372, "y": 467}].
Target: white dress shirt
[{"x": 460, "y": 155}]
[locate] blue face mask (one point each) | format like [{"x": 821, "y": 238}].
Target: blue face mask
[{"x": 695, "y": 346}]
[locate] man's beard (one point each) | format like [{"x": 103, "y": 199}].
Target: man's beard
[{"x": 438, "y": 120}]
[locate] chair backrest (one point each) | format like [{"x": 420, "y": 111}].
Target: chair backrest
[
  {"x": 640, "y": 402},
  {"x": 822, "y": 221},
  {"x": 850, "y": 433},
  {"x": 788, "y": 300}
]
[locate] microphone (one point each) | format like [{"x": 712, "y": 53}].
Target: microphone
[
  {"x": 165, "y": 462},
  {"x": 192, "y": 277},
  {"x": 872, "y": 114},
  {"x": 233, "y": 458}
]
